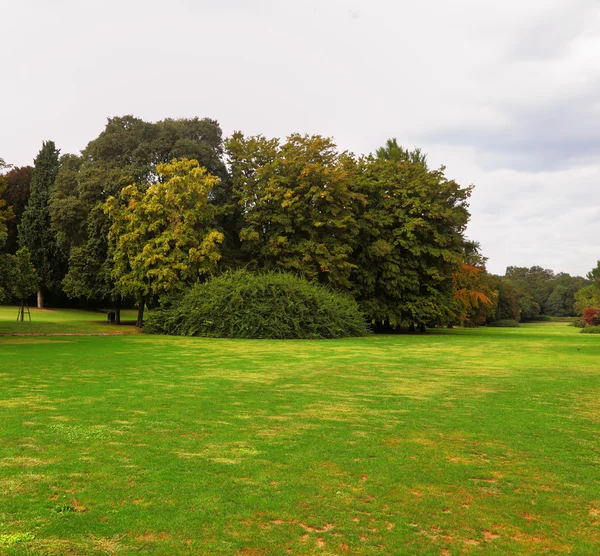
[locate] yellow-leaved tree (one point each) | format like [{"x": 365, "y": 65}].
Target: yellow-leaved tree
[{"x": 162, "y": 237}]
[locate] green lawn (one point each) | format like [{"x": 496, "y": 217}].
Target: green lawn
[
  {"x": 64, "y": 321},
  {"x": 465, "y": 441}
]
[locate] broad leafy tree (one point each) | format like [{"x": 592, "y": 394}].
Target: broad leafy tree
[
  {"x": 410, "y": 243},
  {"x": 35, "y": 231},
  {"x": 91, "y": 265},
  {"x": 535, "y": 284},
  {"x": 508, "y": 306},
  {"x": 297, "y": 206},
  {"x": 126, "y": 152},
  {"x": 162, "y": 237}
]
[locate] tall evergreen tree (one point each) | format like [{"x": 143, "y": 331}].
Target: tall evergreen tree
[{"x": 35, "y": 231}]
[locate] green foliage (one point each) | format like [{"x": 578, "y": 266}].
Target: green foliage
[
  {"x": 91, "y": 264},
  {"x": 162, "y": 237},
  {"x": 298, "y": 207},
  {"x": 24, "y": 278},
  {"x": 587, "y": 297},
  {"x": 504, "y": 323},
  {"x": 35, "y": 231},
  {"x": 410, "y": 244},
  {"x": 542, "y": 292},
  {"x": 594, "y": 275},
  {"x": 126, "y": 152},
  {"x": 386, "y": 229},
  {"x": 591, "y": 330},
  {"x": 393, "y": 151},
  {"x": 272, "y": 305},
  {"x": 508, "y": 306}
]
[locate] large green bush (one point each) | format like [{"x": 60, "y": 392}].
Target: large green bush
[
  {"x": 591, "y": 330},
  {"x": 274, "y": 305}
]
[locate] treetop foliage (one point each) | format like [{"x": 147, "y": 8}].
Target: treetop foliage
[
  {"x": 149, "y": 208},
  {"x": 393, "y": 151},
  {"x": 162, "y": 237}
]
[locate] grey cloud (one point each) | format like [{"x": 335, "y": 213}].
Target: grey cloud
[
  {"x": 555, "y": 29},
  {"x": 548, "y": 137}
]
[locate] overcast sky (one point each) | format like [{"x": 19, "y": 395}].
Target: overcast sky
[{"x": 505, "y": 94}]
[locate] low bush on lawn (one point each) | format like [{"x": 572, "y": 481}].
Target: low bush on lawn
[
  {"x": 272, "y": 305},
  {"x": 590, "y": 330}
]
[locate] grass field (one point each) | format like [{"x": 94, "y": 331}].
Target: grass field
[
  {"x": 64, "y": 321},
  {"x": 464, "y": 441}
]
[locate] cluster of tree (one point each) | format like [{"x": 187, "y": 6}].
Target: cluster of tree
[
  {"x": 523, "y": 294},
  {"x": 587, "y": 302},
  {"x": 146, "y": 209},
  {"x": 18, "y": 277}
]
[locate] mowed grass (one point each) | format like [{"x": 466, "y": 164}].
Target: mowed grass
[
  {"x": 464, "y": 441},
  {"x": 64, "y": 321}
]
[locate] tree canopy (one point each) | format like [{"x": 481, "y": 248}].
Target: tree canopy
[
  {"x": 127, "y": 152},
  {"x": 163, "y": 237},
  {"x": 149, "y": 208}
]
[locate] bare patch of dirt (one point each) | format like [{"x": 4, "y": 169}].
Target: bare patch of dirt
[
  {"x": 490, "y": 536},
  {"x": 324, "y": 529}
]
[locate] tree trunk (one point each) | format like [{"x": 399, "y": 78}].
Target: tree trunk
[
  {"x": 118, "y": 311},
  {"x": 21, "y": 316},
  {"x": 140, "y": 317},
  {"x": 422, "y": 328},
  {"x": 40, "y": 299}
]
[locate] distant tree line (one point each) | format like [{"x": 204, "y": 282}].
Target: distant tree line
[
  {"x": 526, "y": 294},
  {"x": 148, "y": 209}
]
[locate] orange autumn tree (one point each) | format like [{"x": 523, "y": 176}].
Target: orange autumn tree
[{"x": 475, "y": 291}]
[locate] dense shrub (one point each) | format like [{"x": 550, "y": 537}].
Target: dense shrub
[
  {"x": 504, "y": 323},
  {"x": 578, "y": 323},
  {"x": 275, "y": 305},
  {"x": 591, "y": 316},
  {"x": 590, "y": 330}
]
